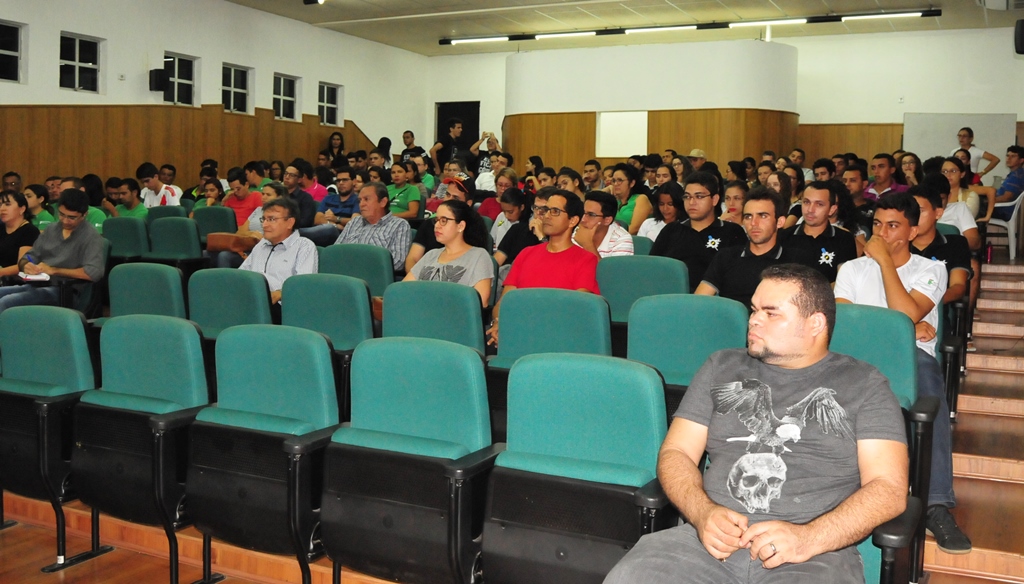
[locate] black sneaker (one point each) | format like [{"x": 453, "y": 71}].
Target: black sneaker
[{"x": 941, "y": 525}]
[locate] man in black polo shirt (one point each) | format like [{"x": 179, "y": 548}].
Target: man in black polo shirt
[
  {"x": 817, "y": 236},
  {"x": 736, "y": 271},
  {"x": 697, "y": 240},
  {"x": 951, "y": 250}
]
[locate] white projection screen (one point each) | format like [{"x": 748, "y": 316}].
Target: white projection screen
[{"x": 930, "y": 135}]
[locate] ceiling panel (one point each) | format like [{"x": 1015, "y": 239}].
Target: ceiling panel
[{"x": 417, "y": 25}]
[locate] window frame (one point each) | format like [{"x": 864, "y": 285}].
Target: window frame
[
  {"x": 324, "y": 104},
  {"x": 279, "y": 97},
  {"x": 174, "y": 81},
  {"x": 78, "y": 64},
  {"x": 19, "y": 54},
  {"x": 234, "y": 91}
]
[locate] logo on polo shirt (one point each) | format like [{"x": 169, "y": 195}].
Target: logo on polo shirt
[
  {"x": 713, "y": 243},
  {"x": 938, "y": 260},
  {"x": 827, "y": 257}
]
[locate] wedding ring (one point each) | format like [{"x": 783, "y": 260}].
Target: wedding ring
[{"x": 774, "y": 551}]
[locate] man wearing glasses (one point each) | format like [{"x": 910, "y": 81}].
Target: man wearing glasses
[
  {"x": 69, "y": 249},
  {"x": 557, "y": 264},
  {"x": 335, "y": 211},
  {"x": 598, "y": 232},
  {"x": 698, "y": 239},
  {"x": 282, "y": 252}
]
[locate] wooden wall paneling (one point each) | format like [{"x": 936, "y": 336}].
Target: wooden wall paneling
[
  {"x": 562, "y": 139},
  {"x": 824, "y": 140},
  {"x": 723, "y": 134}
]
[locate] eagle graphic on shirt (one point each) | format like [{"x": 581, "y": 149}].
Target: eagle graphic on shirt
[{"x": 757, "y": 477}]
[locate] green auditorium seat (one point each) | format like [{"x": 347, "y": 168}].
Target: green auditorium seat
[
  {"x": 163, "y": 211},
  {"x": 625, "y": 279},
  {"x": 366, "y": 262},
  {"x": 434, "y": 310},
  {"x": 214, "y": 220},
  {"x": 127, "y": 236}
]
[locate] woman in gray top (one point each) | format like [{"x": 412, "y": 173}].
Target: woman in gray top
[{"x": 462, "y": 259}]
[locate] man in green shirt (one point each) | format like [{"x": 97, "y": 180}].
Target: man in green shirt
[
  {"x": 256, "y": 176},
  {"x": 129, "y": 203}
]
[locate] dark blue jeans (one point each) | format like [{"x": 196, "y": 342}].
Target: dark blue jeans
[
  {"x": 930, "y": 384},
  {"x": 28, "y": 295}
]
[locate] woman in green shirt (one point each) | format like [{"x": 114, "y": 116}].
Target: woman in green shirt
[
  {"x": 405, "y": 198},
  {"x": 214, "y": 193},
  {"x": 35, "y": 196},
  {"x": 634, "y": 206}
]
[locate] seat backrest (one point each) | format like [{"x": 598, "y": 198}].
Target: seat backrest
[
  {"x": 641, "y": 245},
  {"x": 127, "y": 236},
  {"x": 277, "y": 372},
  {"x": 421, "y": 387},
  {"x": 151, "y": 356},
  {"x": 367, "y": 262},
  {"x": 587, "y": 407},
  {"x": 625, "y": 279},
  {"x": 215, "y": 220},
  {"x": 547, "y": 320},
  {"x": 337, "y": 306},
  {"x": 145, "y": 288},
  {"x": 187, "y": 204},
  {"x": 35, "y": 338},
  {"x": 676, "y": 333},
  {"x": 175, "y": 236},
  {"x": 884, "y": 338},
  {"x": 223, "y": 297},
  {"x": 434, "y": 310},
  {"x": 947, "y": 229},
  {"x": 163, "y": 211}
]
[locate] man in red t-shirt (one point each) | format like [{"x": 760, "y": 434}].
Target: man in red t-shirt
[{"x": 557, "y": 264}]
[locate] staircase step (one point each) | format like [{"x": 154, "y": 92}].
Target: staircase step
[
  {"x": 988, "y": 446},
  {"x": 993, "y": 345},
  {"x": 941, "y": 578},
  {"x": 1002, "y": 282},
  {"x": 991, "y": 392},
  {"x": 998, "y": 329},
  {"x": 991, "y": 513},
  {"x": 999, "y": 317},
  {"x": 994, "y": 362},
  {"x": 987, "y": 269}
]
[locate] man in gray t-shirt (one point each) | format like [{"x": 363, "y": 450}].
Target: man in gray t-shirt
[{"x": 807, "y": 453}]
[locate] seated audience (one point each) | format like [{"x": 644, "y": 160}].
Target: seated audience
[
  {"x": 570, "y": 180},
  {"x": 634, "y": 206},
  {"x": 824, "y": 169},
  {"x": 405, "y": 198},
  {"x": 376, "y": 225},
  {"x": 910, "y": 172},
  {"x": 597, "y": 232},
  {"x": 12, "y": 181},
  {"x": 829, "y": 245},
  {"x": 526, "y": 232},
  {"x": 789, "y": 510},
  {"x": 129, "y": 202},
  {"x": 513, "y": 204},
  {"x": 951, "y": 250},
  {"x": 240, "y": 200},
  {"x": 18, "y": 233},
  {"x": 1013, "y": 185},
  {"x": 256, "y": 175},
  {"x": 732, "y": 202},
  {"x": 305, "y": 172},
  {"x": 335, "y": 210},
  {"x": 292, "y": 182},
  {"x": 463, "y": 257},
  {"x": 491, "y": 206},
  {"x": 36, "y": 196},
  {"x": 592, "y": 176},
  {"x": 213, "y": 195},
  {"x": 955, "y": 213},
  {"x": 890, "y": 276},
  {"x": 281, "y": 253},
  {"x": 883, "y": 169},
  {"x": 156, "y": 193},
  {"x": 669, "y": 209},
  {"x": 458, "y": 189}
]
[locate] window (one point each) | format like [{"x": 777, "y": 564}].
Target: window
[
  {"x": 235, "y": 89},
  {"x": 327, "y": 104},
  {"x": 10, "y": 51},
  {"x": 285, "y": 90},
  {"x": 181, "y": 76},
  {"x": 79, "y": 63}
]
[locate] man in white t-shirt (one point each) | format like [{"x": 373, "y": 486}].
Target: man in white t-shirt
[
  {"x": 890, "y": 276},
  {"x": 966, "y": 138},
  {"x": 598, "y": 232},
  {"x": 156, "y": 193}
]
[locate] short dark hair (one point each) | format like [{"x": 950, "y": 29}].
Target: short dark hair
[
  {"x": 1018, "y": 150},
  {"x": 967, "y": 129},
  {"x": 170, "y": 167},
  {"x": 815, "y": 294},
  {"x": 736, "y": 184},
  {"x": 351, "y": 172},
  {"x": 825, "y": 163},
  {"x": 255, "y": 166},
  {"x": 904, "y": 203},
  {"x": 609, "y": 204},
  {"x": 452, "y": 122},
  {"x": 573, "y": 204},
  {"x": 279, "y": 189},
  {"x": 207, "y": 172},
  {"x": 593, "y": 162},
  {"x": 12, "y": 173},
  {"x": 858, "y": 169},
  {"x": 49, "y": 178},
  {"x": 379, "y": 188},
  {"x": 544, "y": 192},
  {"x": 509, "y": 160},
  {"x": 146, "y": 170},
  {"x": 380, "y": 152},
  {"x": 548, "y": 171},
  {"x": 113, "y": 183},
  {"x": 768, "y": 153},
  {"x": 800, "y": 150},
  {"x": 935, "y": 180},
  {"x": 410, "y": 132},
  {"x": 286, "y": 203},
  {"x": 19, "y": 200},
  {"x": 304, "y": 167},
  {"x": 132, "y": 184},
  {"x": 74, "y": 200},
  {"x": 928, "y": 193},
  {"x": 704, "y": 179},
  {"x": 208, "y": 163},
  {"x": 888, "y": 158},
  {"x": 761, "y": 193},
  {"x": 324, "y": 175},
  {"x": 833, "y": 187},
  {"x": 652, "y": 161},
  {"x": 236, "y": 174},
  {"x": 933, "y": 165}
]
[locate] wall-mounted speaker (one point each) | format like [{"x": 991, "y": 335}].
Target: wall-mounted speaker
[
  {"x": 157, "y": 79},
  {"x": 1018, "y": 37}
]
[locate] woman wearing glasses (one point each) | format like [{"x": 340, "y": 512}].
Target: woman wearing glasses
[
  {"x": 634, "y": 206},
  {"x": 960, "y": 191},
  {"x": 462, "y": 259}
]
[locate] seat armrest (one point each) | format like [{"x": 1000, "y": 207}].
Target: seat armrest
[
  {"x": 651, "y": 496},
  {"x": 309, "y": 442},
  {"x": 473, "y": 463},
  {"x": 924, "y": 409},
  {"x": 950, "y": 345},
  {"x": 45, "y": 404},
  {"x": 899, "y": 531},
  {"x": 174, "y": 420}
]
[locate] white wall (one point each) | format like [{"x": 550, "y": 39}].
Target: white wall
[
  {"x": 626, "y": 85},
  {"x": 861, "y": 78},
  {"x": 479, "y": 77},
  {"x": 137, "y": 33}
]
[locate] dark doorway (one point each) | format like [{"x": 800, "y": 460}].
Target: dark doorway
[{"x": 468, "y": 112}]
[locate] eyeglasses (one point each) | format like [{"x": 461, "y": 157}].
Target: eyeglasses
[
  {"x": 593, "y": 215},
  {"x": 72, "y": 218},
  {"x": 542, "y": 211},
  {"x": 697, "y": 198},
  {"x": 618, "y": 180},
  {"x": 292, "y": 174},
  {"x": 266, "y": 219},
  {"x": 442, "y": 221},
  {"x": 950, "y": 171}
]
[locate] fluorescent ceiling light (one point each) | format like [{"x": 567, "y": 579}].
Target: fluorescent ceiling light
[
  {"x": 483, "y": 40},
  {"x": 661, "y": 29},
  {"x": 561, "y": 35},
  {"x": 884, "y": 15},
  {"x": 768, "y": 22}
]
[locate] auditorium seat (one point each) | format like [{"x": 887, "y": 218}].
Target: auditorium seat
[
  {"x": 127, "y": 236},
  {"x": 130, "y": 436},
  {"x": 163, "y": 211},
  {"x": 625, "y": 279},
  {"x": 641, "y": 245},
  {"x": 576, "y": 486},
  {"x": 175, "y": 241},
  {"x": 214, "y": 220},
  {"x": 404, "y": 482},
  {"x": 434, "y": 310},
  {"x": 143, "y": 288},
  {"x": 254, "y": 456},
  {"x": 366, "y": 262}
]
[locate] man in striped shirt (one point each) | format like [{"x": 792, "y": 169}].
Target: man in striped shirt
[
  {"x": 375, "y": 225},
  {"x": 598, "y": 232}
]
